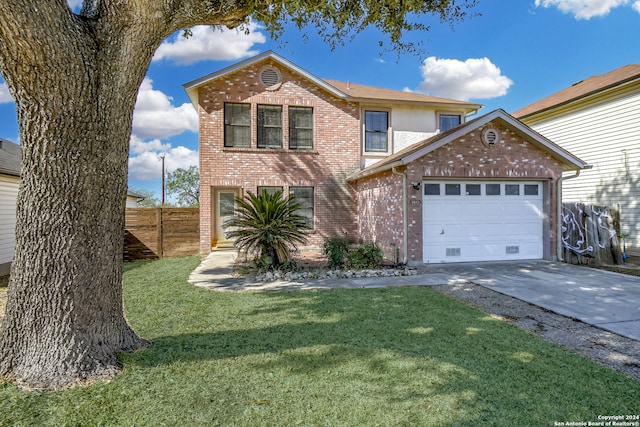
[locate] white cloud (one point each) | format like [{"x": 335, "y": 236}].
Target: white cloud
[
  {"x": 207, "y": 43},
  {"x": 155, "y": 116},
  {"x": 147, "y": 166},
  {"x": 471, "y": 79},
  {"x": 5, "y": 96},
  {"x": 586, "y": 9},
  {"x": 138, "y": 146}
]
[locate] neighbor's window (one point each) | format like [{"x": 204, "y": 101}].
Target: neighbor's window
[
  {"x": 304, "y": 197},
  {"x": 376, "y": 128},
  {"x": 269, "y": 126},
  {"x": 300, "y": 128},
  {"x": 448, "y": 121},
  {"x": 237, "y": 125}
]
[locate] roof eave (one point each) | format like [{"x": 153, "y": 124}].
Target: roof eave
[{"x": 576, "y": 99}]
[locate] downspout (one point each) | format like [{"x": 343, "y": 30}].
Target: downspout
[
  {"x": 559, "y": 210},
  {"x": 405, "y": 232}
]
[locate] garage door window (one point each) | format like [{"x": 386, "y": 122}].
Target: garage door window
[
  {"x": 432, "y": 189},
  {"x": 493, "y": 189},
  {"x": 531, "y": 189},
  {"x": 472, "y": 189},
  {"x": 512, "y": 189},
  {"x": 452, "y": 189}
]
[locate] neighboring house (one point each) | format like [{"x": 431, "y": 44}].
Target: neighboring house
[
  {"x": 9, "y": 183},
  {"x": 598, "y": 119},
  {"x": 133, "y": 199},
  {"x": 353, "y": 155}
]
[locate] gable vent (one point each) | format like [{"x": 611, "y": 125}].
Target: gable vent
[
  {"x": 269, "y": 77},
  {"x": 490, "y": 137}
]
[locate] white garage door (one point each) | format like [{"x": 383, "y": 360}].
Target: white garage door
[{"x": 481, "y": 221}]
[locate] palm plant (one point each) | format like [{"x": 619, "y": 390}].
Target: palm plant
[{"x": 267, "y": 225}]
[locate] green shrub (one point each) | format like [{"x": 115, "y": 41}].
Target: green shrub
[
  {"x": 267, "y": 225},
  {"x": 336, "y": 250},
  {"x": 366, "y": 256}
]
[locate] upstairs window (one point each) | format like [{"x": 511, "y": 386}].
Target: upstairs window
[
  {"x": 300, "y": 128},
  {"x": 448, "y": 121},
  {"x": 237, "y": 125},
  {"x": 269, "y": 126},
  {"x": 376, "y": 129}
]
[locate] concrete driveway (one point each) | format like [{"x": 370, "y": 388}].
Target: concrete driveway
[
  {"x": 605, "y": 299},
  {"x": 608, "y": 300}
]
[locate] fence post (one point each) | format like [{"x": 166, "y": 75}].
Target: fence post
[{"x": 160, "y": 232}]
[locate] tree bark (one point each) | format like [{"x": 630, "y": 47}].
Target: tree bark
[{"x": 75, "y": 80}]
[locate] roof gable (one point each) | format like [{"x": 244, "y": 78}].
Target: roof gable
[
  {"x": 9, "y": 158},
  {"x": 583, "y": 89},
  {"x": 192, "y": 87},
  {"x": 420, "y": 149},
  {"x": 346, "y": 91}
]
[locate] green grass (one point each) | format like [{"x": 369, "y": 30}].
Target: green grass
[{"x": 389, "y": 357}]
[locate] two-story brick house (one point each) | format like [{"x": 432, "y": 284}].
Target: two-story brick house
[{"x": 267, "y": 123}]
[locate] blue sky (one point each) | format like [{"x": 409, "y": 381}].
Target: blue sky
[{"x": 515, "y": 53}]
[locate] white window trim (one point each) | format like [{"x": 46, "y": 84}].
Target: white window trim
[
  {"x": 363, "y": 127},
  {"x": 448, "y": 113}
]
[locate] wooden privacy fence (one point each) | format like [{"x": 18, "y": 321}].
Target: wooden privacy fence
[
  {"x": 161, "y": 232},
  {"x": 590, "y": 234}
]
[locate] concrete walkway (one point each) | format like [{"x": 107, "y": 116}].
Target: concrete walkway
[{"x": 608, "y": 300}]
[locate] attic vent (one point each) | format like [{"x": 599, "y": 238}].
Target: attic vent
[
  {"x": 269, "y": 77},
  {"x": 490, "y": 137}
]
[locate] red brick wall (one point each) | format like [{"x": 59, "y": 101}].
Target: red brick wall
[
  {"x": 336, "y": 152},
  {"x": 380, "y": 220},
  {"x": 380, "y": 196}
]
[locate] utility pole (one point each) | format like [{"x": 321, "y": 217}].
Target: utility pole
[{"x": 162, "y": 157}]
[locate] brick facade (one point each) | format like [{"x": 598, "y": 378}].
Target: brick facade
[
  {"x": 335, "y": 154},
  {"x": 512, "y": 158}
]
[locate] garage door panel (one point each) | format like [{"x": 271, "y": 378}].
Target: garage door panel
[{"x": 465, "y": 228}]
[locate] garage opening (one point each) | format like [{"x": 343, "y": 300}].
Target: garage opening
[{"x": 482, "y": 221}]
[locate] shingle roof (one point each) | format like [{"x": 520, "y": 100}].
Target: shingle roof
[
  {"x": 582, "y": 89},
  {"x": 370, "y": 93},
  {"x": 343, "y": 90},
  {"x": 9, "y": 158},
  {"x": 419, "y": 149}
]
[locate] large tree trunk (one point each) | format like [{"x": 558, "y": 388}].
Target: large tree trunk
[
  {"x": 64, "y": 320},
  {"x": 75, "y": 80}
]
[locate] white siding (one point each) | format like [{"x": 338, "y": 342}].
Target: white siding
[
  {"x": 8, "y": 195},
  {"x": 411, "y": 125},
  {"x": 605, "y": 134}
]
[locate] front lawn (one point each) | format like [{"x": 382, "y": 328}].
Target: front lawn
[{"x": 396, "y": 356}]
